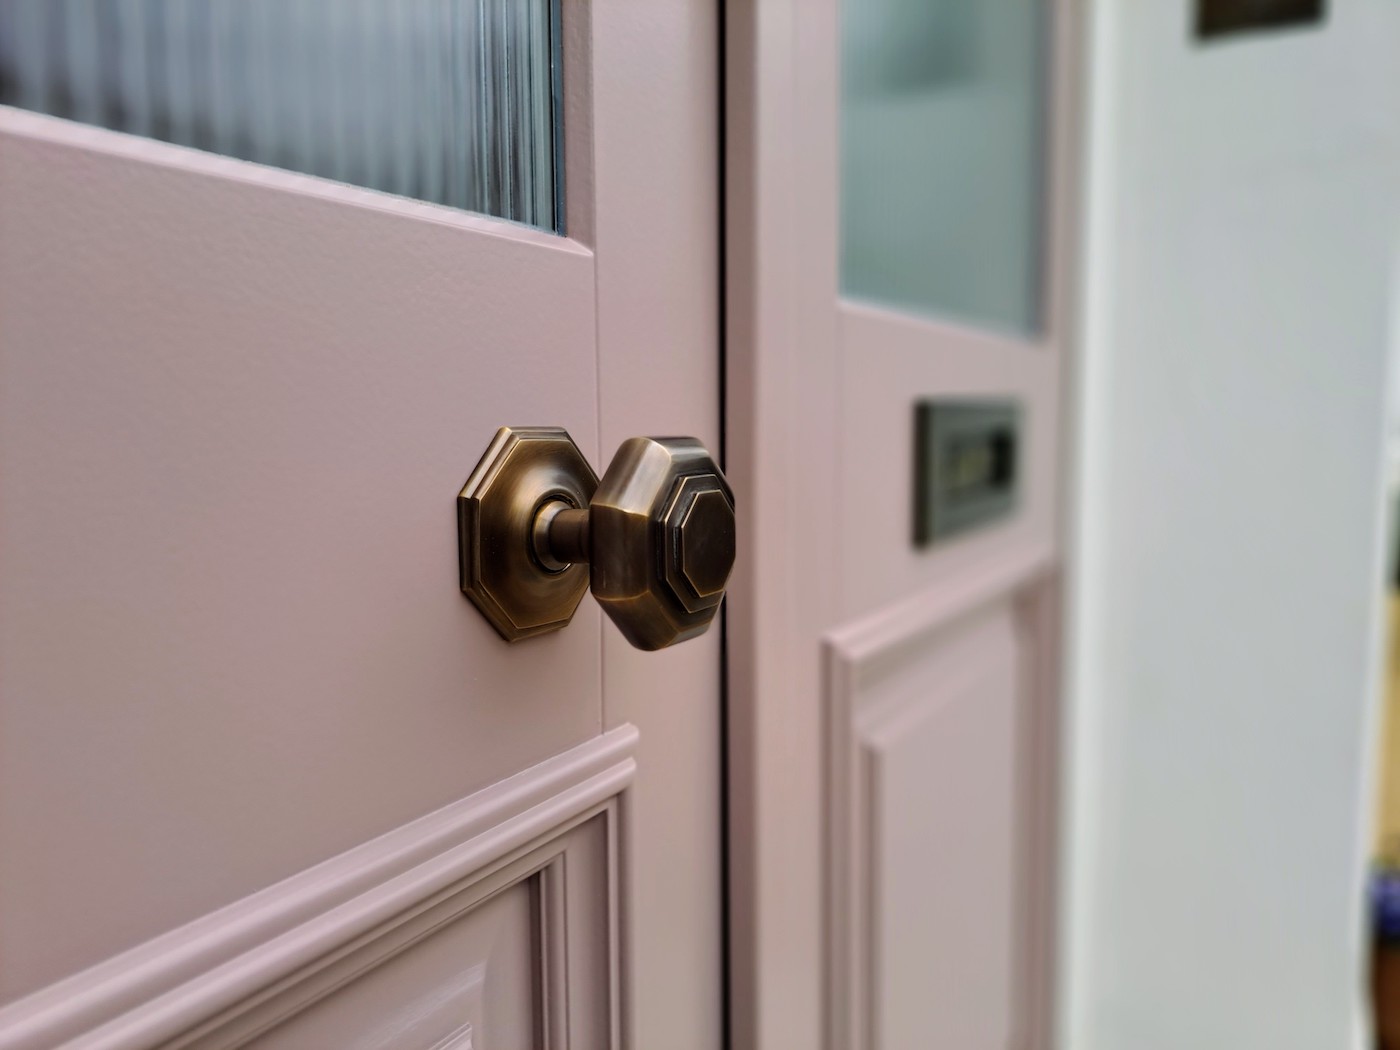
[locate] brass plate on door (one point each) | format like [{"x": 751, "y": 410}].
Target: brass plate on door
[
  {"x": 523, "y": 469},
  {"x": 966, "y": 466}
]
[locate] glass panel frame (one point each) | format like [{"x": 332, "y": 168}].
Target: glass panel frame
[{"x": 454, "y": 102}]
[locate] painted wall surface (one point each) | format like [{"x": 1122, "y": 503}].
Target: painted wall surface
[{"x": 1241, "y": 275}]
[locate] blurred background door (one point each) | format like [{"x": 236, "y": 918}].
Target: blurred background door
[
  {"x": 900, "y": 295},
  {"x": 1153, "y": 248}
]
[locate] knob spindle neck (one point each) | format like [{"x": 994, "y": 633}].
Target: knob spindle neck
[{"x": 560, "y": 535}]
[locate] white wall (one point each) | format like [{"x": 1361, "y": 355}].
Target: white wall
[{"x": 1243, "y": 225}]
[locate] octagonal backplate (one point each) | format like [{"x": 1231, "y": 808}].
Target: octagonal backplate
[{"x": 524, "y": 468}]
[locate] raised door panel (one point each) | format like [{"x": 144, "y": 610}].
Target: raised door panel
[
  {"x": 938, "y": 758},
  {"x": 493, "y": 923},
  {"x": 475, "y": 976},
  {"x": 940, "y": 754}
]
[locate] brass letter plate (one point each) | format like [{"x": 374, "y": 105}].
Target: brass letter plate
[
  {"x": 1219, "y": 17},
  {"x": 966, "y": 466}
]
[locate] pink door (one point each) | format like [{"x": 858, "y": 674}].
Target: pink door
[
  {"x": 900, "y": 302},
  {"x": 266, "y": 776}
]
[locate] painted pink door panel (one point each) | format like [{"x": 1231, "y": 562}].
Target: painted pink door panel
[
  {"x": 481, "y": 966},
  {"x": 233, "y": 419},
  {"x": 236, "y": 407}
]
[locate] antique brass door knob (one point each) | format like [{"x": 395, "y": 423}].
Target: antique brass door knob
[{"x": 654, "y": 540}]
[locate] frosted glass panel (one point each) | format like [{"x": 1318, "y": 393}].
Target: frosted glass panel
[
  {"x": 942, "y": 157},
  {"x": 449, "y": 101}
]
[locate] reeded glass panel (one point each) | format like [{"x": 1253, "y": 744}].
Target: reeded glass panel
[
  {"x": 942, "y": 156},
  {"x": 449, "y": 101}
]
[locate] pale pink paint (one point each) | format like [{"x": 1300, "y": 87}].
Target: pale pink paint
[{"x": 236, "y": 406}]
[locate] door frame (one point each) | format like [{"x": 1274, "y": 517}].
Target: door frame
[{"x": 787, "y": 640}]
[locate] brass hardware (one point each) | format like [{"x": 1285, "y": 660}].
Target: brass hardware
[
  {"x": 654, "y": 539},
  {"x": 523, "y": 470}
]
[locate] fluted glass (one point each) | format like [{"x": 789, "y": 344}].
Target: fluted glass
[{"x": 448, "y": 101}]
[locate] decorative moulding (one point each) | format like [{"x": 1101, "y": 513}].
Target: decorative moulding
[
  {"x": 246, "y": 966},
  {"x": 855, "y": 656}
]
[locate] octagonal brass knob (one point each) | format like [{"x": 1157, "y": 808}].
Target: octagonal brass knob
[{"x": 654, "y": 540}]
